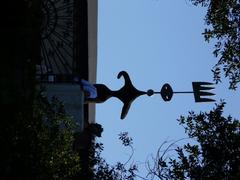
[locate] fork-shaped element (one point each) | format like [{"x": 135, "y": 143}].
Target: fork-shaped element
[{"x": 200, "y": 91}]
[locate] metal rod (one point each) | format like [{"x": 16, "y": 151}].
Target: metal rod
[{"x": 178, "y": 92}]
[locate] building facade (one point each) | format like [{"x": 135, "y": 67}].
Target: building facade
[{"x": 69, "y": 53}]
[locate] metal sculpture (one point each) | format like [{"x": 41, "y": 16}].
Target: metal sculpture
[{"x": 128, "y": 93}]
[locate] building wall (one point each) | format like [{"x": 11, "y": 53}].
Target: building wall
[
  {"x": 70, "y": 93},
  {"x": 92, "y": 49}
]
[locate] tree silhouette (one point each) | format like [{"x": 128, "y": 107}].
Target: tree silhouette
[
  {"x": 223, "y": 23},
  {"x": 216, "y": 155},
  {"x": 39, "y": 145}
]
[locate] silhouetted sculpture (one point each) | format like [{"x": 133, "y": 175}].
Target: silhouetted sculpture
[{"x": 128, "y": 93}]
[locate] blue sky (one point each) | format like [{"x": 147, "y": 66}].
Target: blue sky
[{"x": 156, "y": 42}]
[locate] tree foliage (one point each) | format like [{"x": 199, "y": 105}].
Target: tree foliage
[
  {"x": 223, "y": 21},
  {"x": 55, "y": 137},
  {"x": 119, "y": 171},
  {"x": 215, "y": 155},
  {"x": 38, "y": 145}
]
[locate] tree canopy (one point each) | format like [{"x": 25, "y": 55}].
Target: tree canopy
[
  {"x": 215, "y": 155},
  {"x": 39, "y": 145},
  {"x": 223, "y": 25}
]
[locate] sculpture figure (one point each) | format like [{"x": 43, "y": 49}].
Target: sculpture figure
[{"x": 128, "y": 93}]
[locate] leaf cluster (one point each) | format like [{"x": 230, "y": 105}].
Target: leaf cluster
[
  {"x": 37, "y": 143},
  {"x": 119, "y": 171},
  {"x": 55, "y": 135},
  {"x": 216, "y": 153},
  {"x": 223, "y": 21}
]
